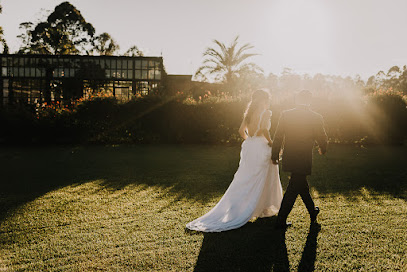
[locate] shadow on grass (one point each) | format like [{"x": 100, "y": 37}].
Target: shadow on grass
[
  {"x": 195, "y": 172},
  {"x": 309, "y": 254},
  {"x": 254, "y": 247},
  {"x": 348, "y": 171},
  {"x": 198, "y": 173}
]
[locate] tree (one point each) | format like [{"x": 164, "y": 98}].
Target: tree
[
  {"x": 65, "y": 31},
  {"x": 290, "y": 81},
  {"x": 2, "y": 39},
  {"x": 380, "y": 78},
  {"x": 134, "y": 51},
  {"x": 393, "y": 76},
  {"x": 250, "y": 78},
  {"x": 371, "y": 81},
  {"x": 27, "y": 46},
  {"x": 403, "y": 80},
  {"x": 104, "y": 44},
  {"x": 227, "y": 63},
  {"x": 272, "y": 81}
]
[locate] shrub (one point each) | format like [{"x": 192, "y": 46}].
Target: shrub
[
  {"x": 387, "y": 112},
  {"x": 380, "y": 117}
]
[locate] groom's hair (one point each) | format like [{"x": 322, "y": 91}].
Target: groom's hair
[{"x": 304, "y": 97}]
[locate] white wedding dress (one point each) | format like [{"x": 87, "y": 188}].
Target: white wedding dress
[{"x": 255, "y": 190}]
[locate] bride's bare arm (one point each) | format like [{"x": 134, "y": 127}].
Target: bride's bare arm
[{"x": 242, "y": 129}]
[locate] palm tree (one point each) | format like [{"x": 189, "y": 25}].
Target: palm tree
[{"x": 227, "y": 63}]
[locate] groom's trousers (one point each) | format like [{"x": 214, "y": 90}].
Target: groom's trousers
[{"x": 297, "y": 185}]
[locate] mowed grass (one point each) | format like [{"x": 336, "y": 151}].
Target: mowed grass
[{"x": 124, "y": 208}]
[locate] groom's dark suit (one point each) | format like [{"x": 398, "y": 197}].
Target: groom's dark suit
[{"x": 298, "y": 128}]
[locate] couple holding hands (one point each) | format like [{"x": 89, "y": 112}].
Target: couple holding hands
[{"x": 255, "y": 190}]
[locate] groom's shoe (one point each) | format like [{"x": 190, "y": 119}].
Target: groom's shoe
[
  {"x": 283, "y": 225},
  {"x": 314, "y": 215}
]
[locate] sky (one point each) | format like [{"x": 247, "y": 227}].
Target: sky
[{"x": 337, "y": 37}]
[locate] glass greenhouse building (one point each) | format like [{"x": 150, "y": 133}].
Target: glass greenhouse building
[{"x": 32, "y": 79}]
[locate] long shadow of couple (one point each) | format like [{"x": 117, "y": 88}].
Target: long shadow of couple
[{"x": 254, "y": 247}]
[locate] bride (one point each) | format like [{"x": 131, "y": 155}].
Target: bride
[{"x": 255, "y": 190}]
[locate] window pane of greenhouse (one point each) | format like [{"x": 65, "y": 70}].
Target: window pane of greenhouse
[
  {"x": 137, "y": 74},
  {"x": 108, "y": 64},
  {"x": 138, "y": 64},
  {"x": 157, "y": 74},
  {"x": 151, "y": 74},
  {"x": 15, "y": 71},
  {"x": 144, "y": 74}
]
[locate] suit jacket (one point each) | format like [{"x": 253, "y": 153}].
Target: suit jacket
[{"x": 298, "y": 128}]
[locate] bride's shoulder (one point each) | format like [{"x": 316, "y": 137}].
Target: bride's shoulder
[{"x": 269, "y": 113}]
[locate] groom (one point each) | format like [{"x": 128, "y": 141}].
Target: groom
[{"x": 299, "y": 128}]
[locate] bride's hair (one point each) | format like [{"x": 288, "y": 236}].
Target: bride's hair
[{"x": 258, "y": 97}]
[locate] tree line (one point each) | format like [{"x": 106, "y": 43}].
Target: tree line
[
  {"x": 230, "y": 64},
  {"x": 65, "y": 31}
]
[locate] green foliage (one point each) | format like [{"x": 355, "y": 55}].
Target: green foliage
[
  {"x": 388, "y": 111},
  {"x": 16, "y": 123},
  {"x": 134, "y": 51},
  {"x": 2, "y": 39},
  {"x": 155, "y": 119},
  {"x": 378, "y": 118},
  {"x": 208, "y": 119},
  {"x": 65, "y": 31},
  {"x": 104, "y": 44},
  {"x": 395, "y": 79}
]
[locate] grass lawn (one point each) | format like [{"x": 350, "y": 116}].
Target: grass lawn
[{"x": 124, "y": 208}]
